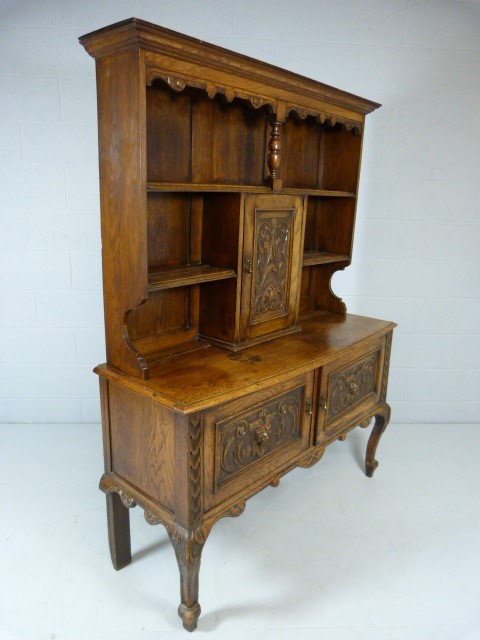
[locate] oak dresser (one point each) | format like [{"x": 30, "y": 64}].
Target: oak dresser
[{"x": 228, "y": 195}]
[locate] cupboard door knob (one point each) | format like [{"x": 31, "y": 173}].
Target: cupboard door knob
[
  {"x": 324, "y": 402},
  {"x": 247, "y": 265},
  {"x": 309, "y": 408}
]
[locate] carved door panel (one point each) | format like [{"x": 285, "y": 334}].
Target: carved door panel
[
  {"x": 250, "y": 441},
  {"x": 347, "y": 391},
  {"x": 271, "y": 264}
]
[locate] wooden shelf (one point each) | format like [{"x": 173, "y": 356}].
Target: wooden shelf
[
  {"x": 311, "y": 258},
  {"x": 172, "y": 277},
  {"x": 160, "y": 187}
]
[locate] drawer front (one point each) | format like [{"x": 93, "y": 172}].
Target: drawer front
[{"x": 253, "y": 438}]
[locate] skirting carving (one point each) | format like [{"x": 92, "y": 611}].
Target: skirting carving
[
  {"x": 126, "y": 499},
  {"x": 312, "y": 458}
]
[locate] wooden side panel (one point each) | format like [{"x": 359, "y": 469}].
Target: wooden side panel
[
  {"x": 168, "y": 230},
  {"x": 331, "y": 222},
  {"x": 142, "y": 443},
  {"x": 221, "y": 246},
  {"x": 341, "y": 163},
  {"x": 168, "y": 135},
  {"x": 122, "y": 144},
  {"x": 228, "y": 142},
  {"x": 218, "y": 313},
  {"x": 301, "y": 152},
  {"x": 165, "y": 311}
]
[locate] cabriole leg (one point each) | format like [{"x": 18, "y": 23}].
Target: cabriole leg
[
  {"x": 118, "y": 519},
  {"x": 188, "y": 547},
  {"x": 382, "y": 418}
]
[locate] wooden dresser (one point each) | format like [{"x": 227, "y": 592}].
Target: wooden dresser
[{"x": 228, "y": 196}]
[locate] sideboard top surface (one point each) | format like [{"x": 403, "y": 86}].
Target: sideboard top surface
[
  {"x": 197, "y": 380},
  {"x": 150, "y": 37}
]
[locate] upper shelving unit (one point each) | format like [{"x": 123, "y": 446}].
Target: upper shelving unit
[{"x": 215, "y": 169}]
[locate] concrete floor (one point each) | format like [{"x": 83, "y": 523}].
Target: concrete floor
[{"x": 328, "y": 555}]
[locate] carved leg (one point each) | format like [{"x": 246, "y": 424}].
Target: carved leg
[
  {"x": 118, "y": 520},
  {"x": 188, "y": 547},
  {"x": 382, "y": 418}
]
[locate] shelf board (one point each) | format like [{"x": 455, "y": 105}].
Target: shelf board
[
  {"x": 311, "y": 258},
  {"x": 161, "y": 187},
  {"x": 172, "y": 277}
]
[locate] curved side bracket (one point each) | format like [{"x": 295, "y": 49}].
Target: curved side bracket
[{"x": 325, "y": 298}]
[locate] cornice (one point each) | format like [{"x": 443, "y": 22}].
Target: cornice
[{"x": 150, "y": 37}]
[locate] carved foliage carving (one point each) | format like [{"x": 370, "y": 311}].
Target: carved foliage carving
[
  {"x": 386, "y": 365},
  {"x": 188, "y": 543},
  {"x": 272, "y": 255},
  {"x": 352, "y": 384},
  {"x": 243, "y": 440},
  {"x": 194, "y": 467}
]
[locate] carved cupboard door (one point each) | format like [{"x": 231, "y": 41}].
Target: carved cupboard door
[
  {"x": 347, "y": 391},
  {"x": 271, "y": 264},
  {"x": 252, "y": 440}
]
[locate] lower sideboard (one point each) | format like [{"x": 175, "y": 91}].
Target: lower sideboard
[{"x": 188, "y": 469}]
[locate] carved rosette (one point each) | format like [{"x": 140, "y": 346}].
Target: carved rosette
[
  {"x": 243, "y": 440},
  {"x": 349, "y": 386},
  {"x": 273, "y": 233}
]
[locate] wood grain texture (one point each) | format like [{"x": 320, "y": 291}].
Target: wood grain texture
[{"x": 142, "y": 443}]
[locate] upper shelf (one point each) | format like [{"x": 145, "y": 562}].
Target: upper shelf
[
  {"x": 171, "y": 277},
  {"x": 159, "y": 187},
  {"x": 311, "y": 258}
]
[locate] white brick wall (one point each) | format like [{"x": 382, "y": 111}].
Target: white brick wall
[{"x": 417, "y": 246}]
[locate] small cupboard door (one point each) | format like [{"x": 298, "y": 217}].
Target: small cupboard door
[
  {"x": 257, "y": 437},
  {"x": 348, "y": 390},
  {"x": 271, "y": 264}
]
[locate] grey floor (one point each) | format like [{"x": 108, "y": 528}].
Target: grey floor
[{"x": 328, "y": 555}]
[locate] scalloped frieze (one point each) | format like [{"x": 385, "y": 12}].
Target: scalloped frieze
[
  {"x": 179, "y": 83},
  {"x": 323, "y": 117}
]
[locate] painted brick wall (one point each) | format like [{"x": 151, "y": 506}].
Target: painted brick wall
[{"x": 417, "y": 246}]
